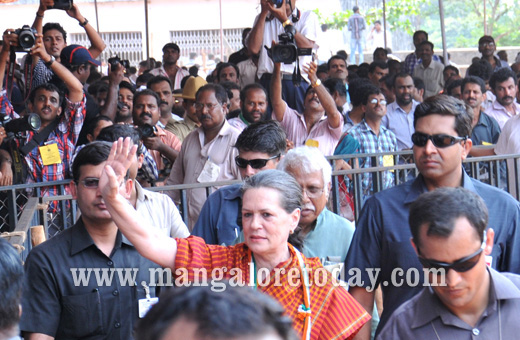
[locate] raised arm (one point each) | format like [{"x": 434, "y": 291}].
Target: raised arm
[
  {"x": 148, "y": 242},
  {"x": 279, "y": 106},
  {"x": 38, "y": 21},
  {"x": 115, "y": 77},
  {"x": 97, "y": 45},
  {"x": 255, "y": 38},
  {"x": 73, "y": 84},
  {"x": 9, "y": 39},
  {"x": 326, "y": 100}
]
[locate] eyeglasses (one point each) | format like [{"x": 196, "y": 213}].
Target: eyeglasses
[
  {"x": 258, "y": 163},
  {"x": 210, "y": 107},
  {"x": 487, "y": 44},
  {"x": 375, "y": 101},
  {"x": 460, "y": 266},
  {"x": 313, "y": 192},
  {"x": 441, "y": 141},
  {"x": 90, "y": 182}
]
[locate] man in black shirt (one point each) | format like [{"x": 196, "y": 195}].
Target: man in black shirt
[{"x": 87, "y": 281}]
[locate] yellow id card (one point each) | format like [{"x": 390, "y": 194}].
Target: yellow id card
[
  {"x": 312, "y": 143},
  {"x": 388, "y": 160},
  {"x": 50, "y": 154}
]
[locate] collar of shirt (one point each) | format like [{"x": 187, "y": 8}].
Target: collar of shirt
[
  {"x": 419, "y": 187},
  {"x": 190, "y": 122},
  {"x": 140, "y": 193},
  {"x": 499, "y": 107},
  {"x": 501, "y": 289},
  {"x": 160, "y": 131},
  {"x": 81, "y": 240},
  {"x": 224, "y": 130},
  {"x": 482, "y": 120},
  {"x": 232, "y": 192}
]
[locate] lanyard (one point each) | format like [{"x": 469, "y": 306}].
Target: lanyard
[{"x": 304, "y": 310}]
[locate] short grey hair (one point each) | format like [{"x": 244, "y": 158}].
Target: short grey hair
[
  {"x": 309, "y": 159},
  {"x": 290, "y": 192}
]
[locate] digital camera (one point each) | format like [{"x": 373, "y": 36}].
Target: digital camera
[{"x": 26, "y": 38}]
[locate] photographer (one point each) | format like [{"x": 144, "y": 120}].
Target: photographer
[
  {"x": 47, "y": 152},
  {"x": 163, "y": 145},
  {"x": 269, "y": 24},
  {"x": 55, "y": 38},
  {"x": 320, "y": 125}
]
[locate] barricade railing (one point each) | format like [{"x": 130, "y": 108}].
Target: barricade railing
[{"x": 18, "y": 210}]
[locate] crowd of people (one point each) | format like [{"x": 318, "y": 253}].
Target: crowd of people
[{"x": 269, "y": 123}]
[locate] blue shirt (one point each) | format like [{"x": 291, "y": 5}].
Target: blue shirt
[
  {"x": 400, "y": 123},
  {"x": 331, "y": 237},
  {"x": 382, "y": 238},
  {"x": 369, "y": 142},
  {"x": 487, "y": 130},
  {"x": 220, "y": 221}
]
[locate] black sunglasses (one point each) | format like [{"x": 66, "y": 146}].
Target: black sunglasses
[
  {"x": 258, "y": 163},
  {"x": 460, "y": 266},
  {"x": 441, "y": 141}
]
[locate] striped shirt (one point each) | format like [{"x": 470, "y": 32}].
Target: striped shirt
[
  {"x": 369, "y": 142},
  {"x": 335, "y": 314}
]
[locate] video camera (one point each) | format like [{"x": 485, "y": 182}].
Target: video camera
[
  {"x": 277, "y": 3},
  {"x": 26, "y": 38},
  {"x": 286, "y": 51},
  {"x": 30, "y": 122},
  {"x": 114, "y": 61}
]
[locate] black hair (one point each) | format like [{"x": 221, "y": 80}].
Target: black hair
[
  {"x": 447, "y": 106},
  {"x": 157, "y": 80},
  {"x": 338, "y": 57},
  {"x": 228, "y": 86},
  {"x": 426, "y": 42},
  {"x": 47, "y": 87},
  {"x": 113, "y": 132},
  {"x": 402, "y": 75},
  {"x": 368, "y": 91},
  {"x": 473, "y": 80},
  {"x": 501, "y": 76},
  {"x": 146, "y": 92},
  {"x": 416, "y": 33},
  {"x": 264, "y": 136},
  {"x": 126, "y": 85},
  {"x": 11, "y": 281},
  {"x": 223, "y": 66},
  {"x": 220, "y": 92},
  {"x": 481, "y": 68},
  {"x": 230, "y": 312},
  {"x": 249, "y": 87},
  {"x": 381, "y": 64},
  {"x": 144, "y": 78},
  {"x": 378, "y": 49},
  {"x": 418, "y": 83},
  {"x": 453, "y": 68},
  {"x": 93, "y": 153},
  {"x": 356, "y": 88},
  {"x": 335, "y": 85},
  {"x": 90, "y": 126},
  {"x": 439, "y": 209},
  {"x": 389, "y": 80},
  {"x": 452, "y": 85},
  {"x": 97, "y": 87},
  {"x": 54, "y": 26}
]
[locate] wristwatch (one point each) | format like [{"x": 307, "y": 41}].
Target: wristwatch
[{"x": 49, "y": 63}]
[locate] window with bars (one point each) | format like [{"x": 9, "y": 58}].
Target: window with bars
[
  {"x": 207, "y": 40},
  {"x": 126, "y": 45}
]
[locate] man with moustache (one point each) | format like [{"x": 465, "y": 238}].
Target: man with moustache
[
  {"x": 125, "y": 105},
  {"x": 503, "y": 84},
  {"x": 253, "y": 99},
  {"x": 485, "y": 129},
  {"x": 399, "y": 114},
  {"x": 163, "y": 87},
  {"x": 441, "y": 142},
  {"x": 164, "y": 146},
  {"x": 207, "y": 154}
]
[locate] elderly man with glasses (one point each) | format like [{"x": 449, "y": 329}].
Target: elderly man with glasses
[
  {"x": 207, "y": 153},
  {"x": 381, "y": 242}
]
